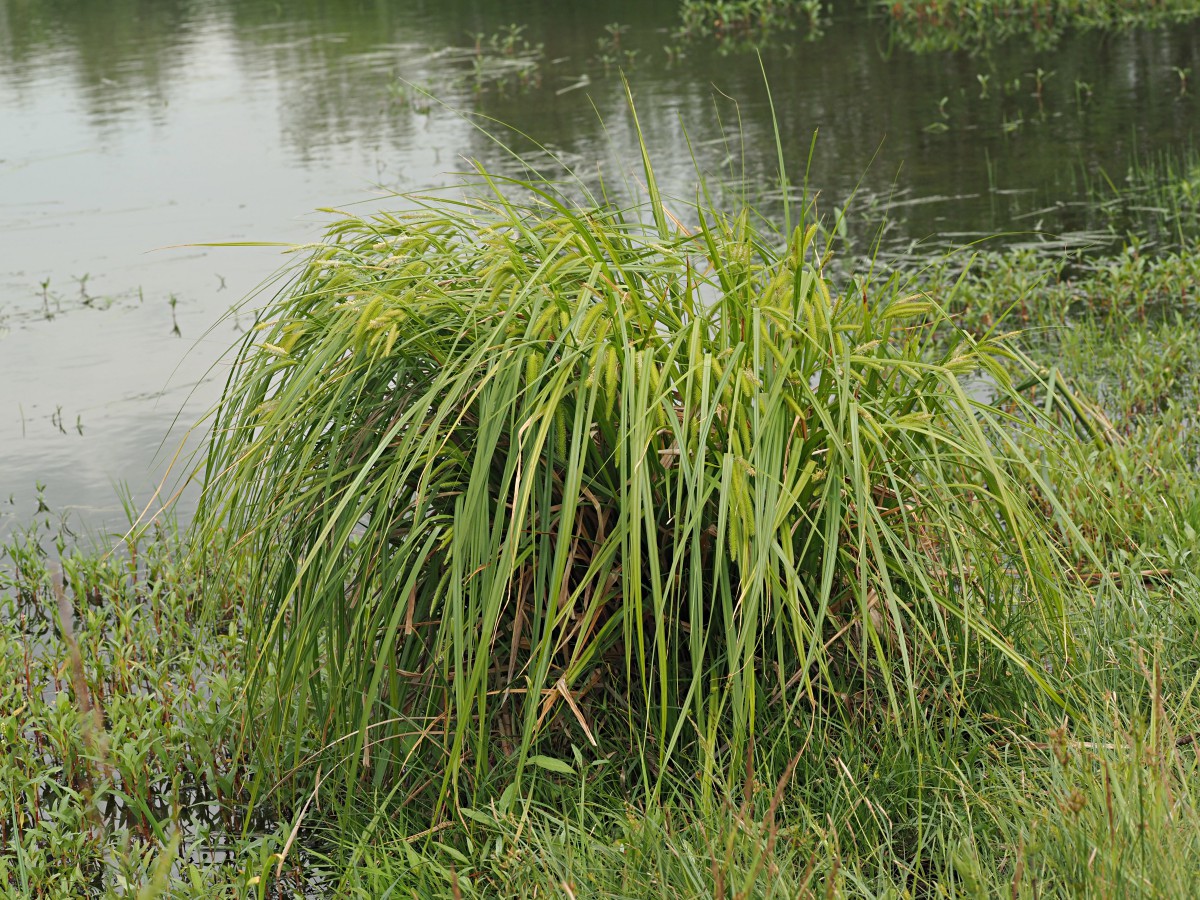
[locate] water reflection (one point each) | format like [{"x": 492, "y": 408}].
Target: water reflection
[{"x": 131, "y": 125}]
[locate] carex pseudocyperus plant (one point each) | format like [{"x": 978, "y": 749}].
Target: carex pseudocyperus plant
[{"x": 513, "y": 470}]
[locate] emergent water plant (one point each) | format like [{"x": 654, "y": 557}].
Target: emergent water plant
[
  {"x": 927, "y": 26},
  {"x": 518, "y": 473}
]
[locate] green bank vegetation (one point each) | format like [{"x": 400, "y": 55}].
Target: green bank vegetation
[
  {"x": 561, "y": 547},
  {"x": 119, "y": 712},
  {"x": 557, "y": 451},
  {"x": 937, "y": 25},
  {"x": 930, "y": 26},
  {"x": 746, "y": 24}
]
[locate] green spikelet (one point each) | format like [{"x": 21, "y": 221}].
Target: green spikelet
[
  {"x": 736, "y": 522},
  {"x": 368, "y": 315},
  {"x": 655, "y": 376},
  {"x": 610, "y": 380},
  {"x": 729, "y": 396},
  {"x": 661, "y": 419},
  {"x": 543, "y": 325},
  {"x": 603, "y": 329},
  {"x": 599, "y": 348},
  {"x": 742, "y": 494},
  {"x": 718, "y": 370},
  {"x": 560, "y": 431},
  {"x": 821, "y": 305},
  {"x": 743, "y": 428},
  {"x": 735, "y": 533},
  {"x": 533, "y": 366},
  {"x": 589, "y": 322}
]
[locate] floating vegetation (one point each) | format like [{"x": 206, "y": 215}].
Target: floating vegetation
[
  {"x": 932, "y": 26},
  {"x": 46, "y": 303}
]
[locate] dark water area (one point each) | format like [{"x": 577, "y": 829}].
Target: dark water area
[{"x": 134, "y": 131}]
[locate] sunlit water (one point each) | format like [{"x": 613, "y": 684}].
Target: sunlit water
[{"x": 133, "y": 132}]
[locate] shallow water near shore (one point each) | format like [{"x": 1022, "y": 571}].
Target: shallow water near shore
[{"x": 132, "y": 132}]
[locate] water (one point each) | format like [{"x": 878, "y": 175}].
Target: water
[{"x": 132, "y": 132}]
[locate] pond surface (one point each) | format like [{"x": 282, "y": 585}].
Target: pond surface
[{"x": 134, "y": 131}]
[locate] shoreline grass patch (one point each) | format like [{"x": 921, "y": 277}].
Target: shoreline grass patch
[
  {"x": 995, "y": 786},
  {"x": 518, "y": 475}
]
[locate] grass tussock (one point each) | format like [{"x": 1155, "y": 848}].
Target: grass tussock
[{"x": 518, "y": 475}]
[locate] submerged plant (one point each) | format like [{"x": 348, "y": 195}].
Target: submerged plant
[{"x": 517, "y": 473}]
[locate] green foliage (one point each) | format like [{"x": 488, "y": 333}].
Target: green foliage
[
  {"x": 514, "y": 473},
  {"x": 938, "y": 25},
  {"x": 673, "y": 567},
  {"x": 117, "y": 728},
  {"x": 996, "y": 795},
  {"x": 1002, "y": 797},
  {"x": 746, "y": 24},
  {"x": 1030, "y": 290}
]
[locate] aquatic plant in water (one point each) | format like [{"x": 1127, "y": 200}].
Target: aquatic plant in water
[
  {"x": 746, "y": 24},
  {"x": 937, "y": 25}
]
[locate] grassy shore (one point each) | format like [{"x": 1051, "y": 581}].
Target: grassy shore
[
  {"x": 997, "y": 790},
  {"x": 572, "y": 551},
  {"x": 119, "y": 718}
]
